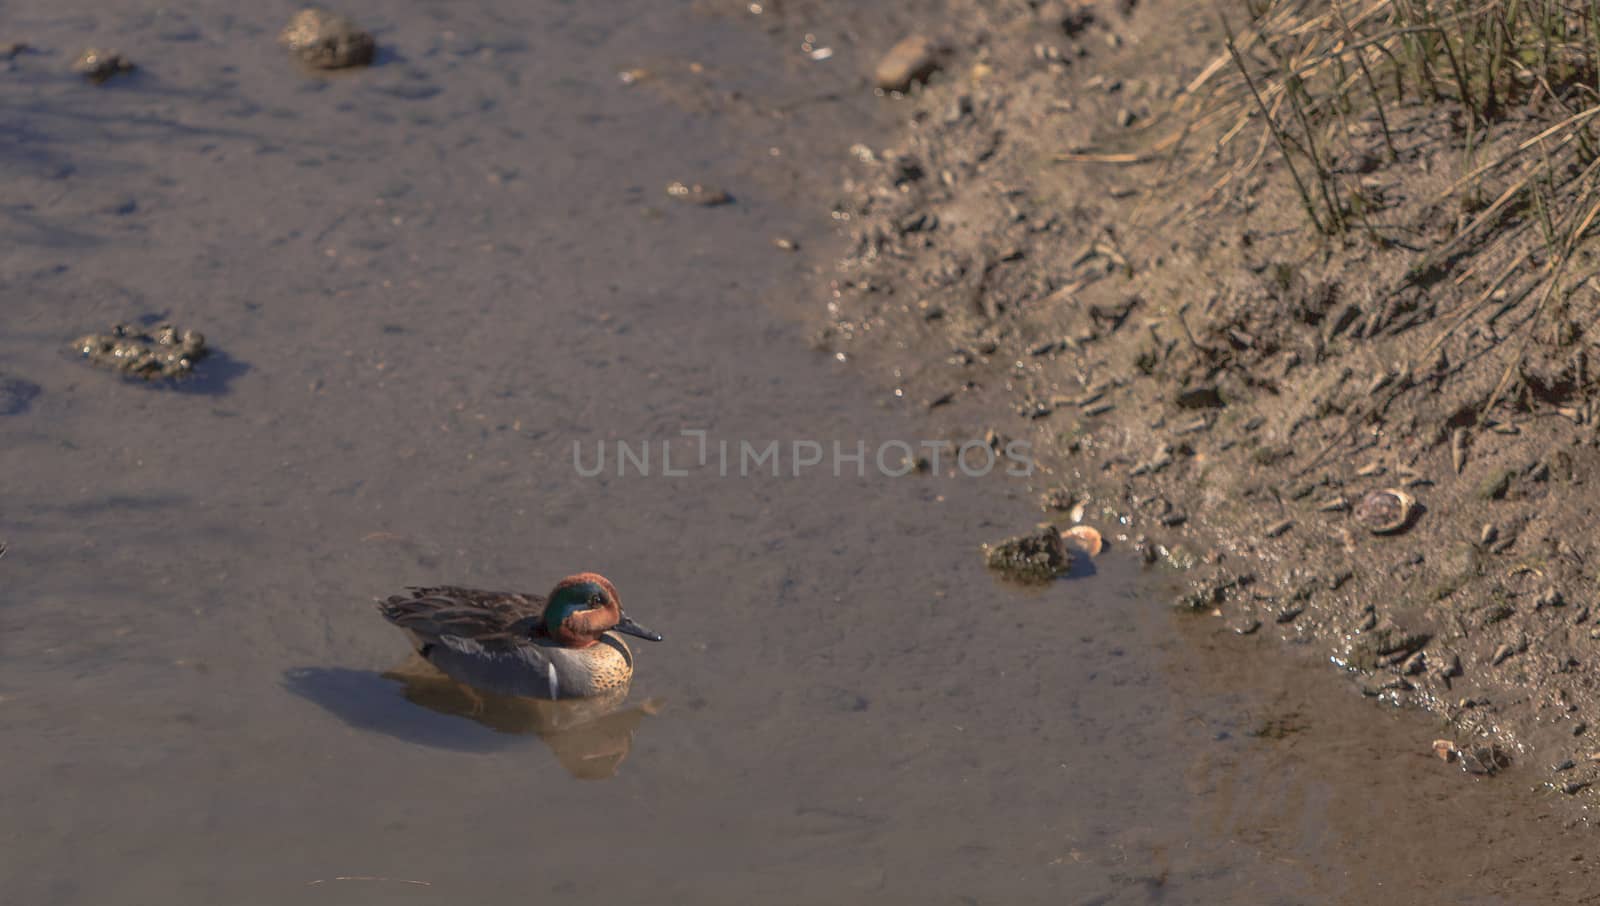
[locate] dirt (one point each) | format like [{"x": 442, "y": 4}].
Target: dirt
[
  {"x": 1250, "y": 403},
  {"x": 165, "y": 351},
  {"x": 1030, "y": 559},
  {"x": 98, "y": 64}
]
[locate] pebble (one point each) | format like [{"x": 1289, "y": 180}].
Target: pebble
[
  {"x": 1501, "y": 654},
  {"x": 914, "y": 59},
  {"x": 325, "y": 40}
]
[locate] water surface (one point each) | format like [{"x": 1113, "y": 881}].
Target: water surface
[{"x": 426, "y": 282}]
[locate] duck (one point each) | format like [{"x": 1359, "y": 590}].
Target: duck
[{"x": 564, "y": 646}]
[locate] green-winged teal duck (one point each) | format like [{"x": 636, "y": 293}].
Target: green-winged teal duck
[{"x": 518, "y": 644}]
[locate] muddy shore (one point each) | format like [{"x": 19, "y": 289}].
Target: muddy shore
[{"x": 1236, "y": 396}]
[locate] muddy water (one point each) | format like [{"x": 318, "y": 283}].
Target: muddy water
[{"x": 426, "y": 282}]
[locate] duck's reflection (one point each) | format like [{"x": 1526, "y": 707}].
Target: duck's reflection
[{"x": 591, "y": 737}]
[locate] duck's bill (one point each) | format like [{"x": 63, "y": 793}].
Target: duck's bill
[{"x": 631, "y": 628}]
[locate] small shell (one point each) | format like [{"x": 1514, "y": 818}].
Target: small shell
[
  {"x": 1385, "y": 512},
  {"x": 1085, "y": 537}
]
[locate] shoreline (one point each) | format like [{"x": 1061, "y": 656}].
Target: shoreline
[{"x": 1227, "y": 394}]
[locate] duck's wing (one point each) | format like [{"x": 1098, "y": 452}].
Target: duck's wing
[
  {"x": 489, "y": 619},
  {"x": 481, "y": 638}
]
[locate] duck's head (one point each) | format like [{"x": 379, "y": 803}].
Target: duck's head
[{"x": 583, "y": 607}]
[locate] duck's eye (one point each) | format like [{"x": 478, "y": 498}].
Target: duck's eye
[{"x": 595, "y": 600}]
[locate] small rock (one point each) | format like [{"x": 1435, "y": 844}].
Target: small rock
[
  {"x": 325, "y": 40},
  {"x": 786, "y": 244},
  {"x": 914, "y": 59},
  {"x": 1445, "y": 749},
  {"x": 707, "y": 196},
  {"x": 1502, "y": 653},
  {"x": 98, "y": 64},
  {"x": 1497, "y": 485}
]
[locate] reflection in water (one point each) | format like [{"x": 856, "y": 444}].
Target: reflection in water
[{"x": 589, "y": 736}]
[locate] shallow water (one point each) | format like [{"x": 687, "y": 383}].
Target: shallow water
[{"x": 426, "y": 282}]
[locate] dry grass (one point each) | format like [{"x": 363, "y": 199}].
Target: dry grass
[{"x": 1504, "y": 92}]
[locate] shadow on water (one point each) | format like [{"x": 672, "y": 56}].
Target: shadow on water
[
  {"x": 16, "y": 395},
  {"x": 590, "y": 737},
  {"x": 212, "y": 376}
]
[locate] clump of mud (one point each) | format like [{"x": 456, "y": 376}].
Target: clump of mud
[
  {"x": 912, "y": 60},
  {"x": 166, "y": 353},
  {"x": 706, "y": 196},
  {"x": 98, "y": 64},
  {"x": 324, "y": 40},
  {"x": 1033, "y": 559}
]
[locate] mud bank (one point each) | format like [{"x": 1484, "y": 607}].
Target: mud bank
[{"x": 1053, "y": 251}]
